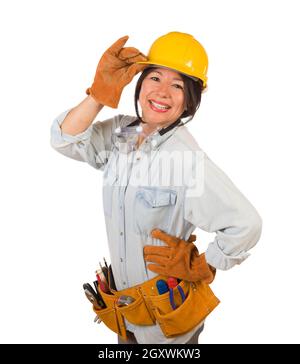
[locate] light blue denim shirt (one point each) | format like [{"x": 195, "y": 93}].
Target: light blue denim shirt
[{"x": 168, "y": 183}]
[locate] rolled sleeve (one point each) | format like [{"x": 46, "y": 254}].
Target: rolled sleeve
[
  {"x": 231, "y": 247},
  {"x": 60, "y": 139},
  {"x": 92, "y": 145},
  {"x": 223, "y": 209}
]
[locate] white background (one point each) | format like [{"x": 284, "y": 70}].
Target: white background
[{"x": 52, "y": 224}]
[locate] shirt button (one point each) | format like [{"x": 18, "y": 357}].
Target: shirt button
[
  {"x": 121, "y": 259},
  {"x": 124, "y": 283},
  {"x": 121, "y": 233}
]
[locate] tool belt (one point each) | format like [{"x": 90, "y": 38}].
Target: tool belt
[{"x": 150, "y": 307}]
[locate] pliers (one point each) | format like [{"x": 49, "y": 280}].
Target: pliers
[{"x": 171, "y": 294}]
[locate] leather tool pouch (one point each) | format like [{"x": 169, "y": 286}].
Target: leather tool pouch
[{"x": 150, "y": 308}]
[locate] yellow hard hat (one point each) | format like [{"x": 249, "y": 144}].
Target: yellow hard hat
[{"x": 181, "y": 52}]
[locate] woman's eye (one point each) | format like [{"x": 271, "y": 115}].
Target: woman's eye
[
  {"x": 154, "y": 78},
  {"x": 178, "y": 86}
]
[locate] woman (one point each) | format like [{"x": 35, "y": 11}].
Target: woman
[{"x": 158, "y": 187}]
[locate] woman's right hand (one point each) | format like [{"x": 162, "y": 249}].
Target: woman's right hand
[{"x": 115, "y": 70}]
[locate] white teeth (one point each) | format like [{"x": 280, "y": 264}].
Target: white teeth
[{"x": 158, "y": 106}]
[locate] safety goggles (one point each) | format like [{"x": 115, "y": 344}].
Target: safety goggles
[{"x": 125, "y": 138}]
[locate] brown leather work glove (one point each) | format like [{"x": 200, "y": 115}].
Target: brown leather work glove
[
  {"x": 180, "y": 259},
  {"x": 115, "y": 70}
]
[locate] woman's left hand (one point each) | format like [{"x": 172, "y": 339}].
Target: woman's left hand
[{"x": 179, "y": 259}]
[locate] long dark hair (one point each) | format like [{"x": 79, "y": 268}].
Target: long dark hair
[{"x": 192, "y": 95}]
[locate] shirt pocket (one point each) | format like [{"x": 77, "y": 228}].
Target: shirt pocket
[{"x": 153, "y": 208}]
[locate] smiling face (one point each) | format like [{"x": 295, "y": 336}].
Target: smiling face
[{"x": 161, "y": 98}]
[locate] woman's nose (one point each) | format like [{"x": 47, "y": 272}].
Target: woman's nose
[{"x": 163, "y": 90}]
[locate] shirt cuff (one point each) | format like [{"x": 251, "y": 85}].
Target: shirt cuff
[
  {"x": 60, "y": 139},
  {"x": 218, "y": 259}
]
